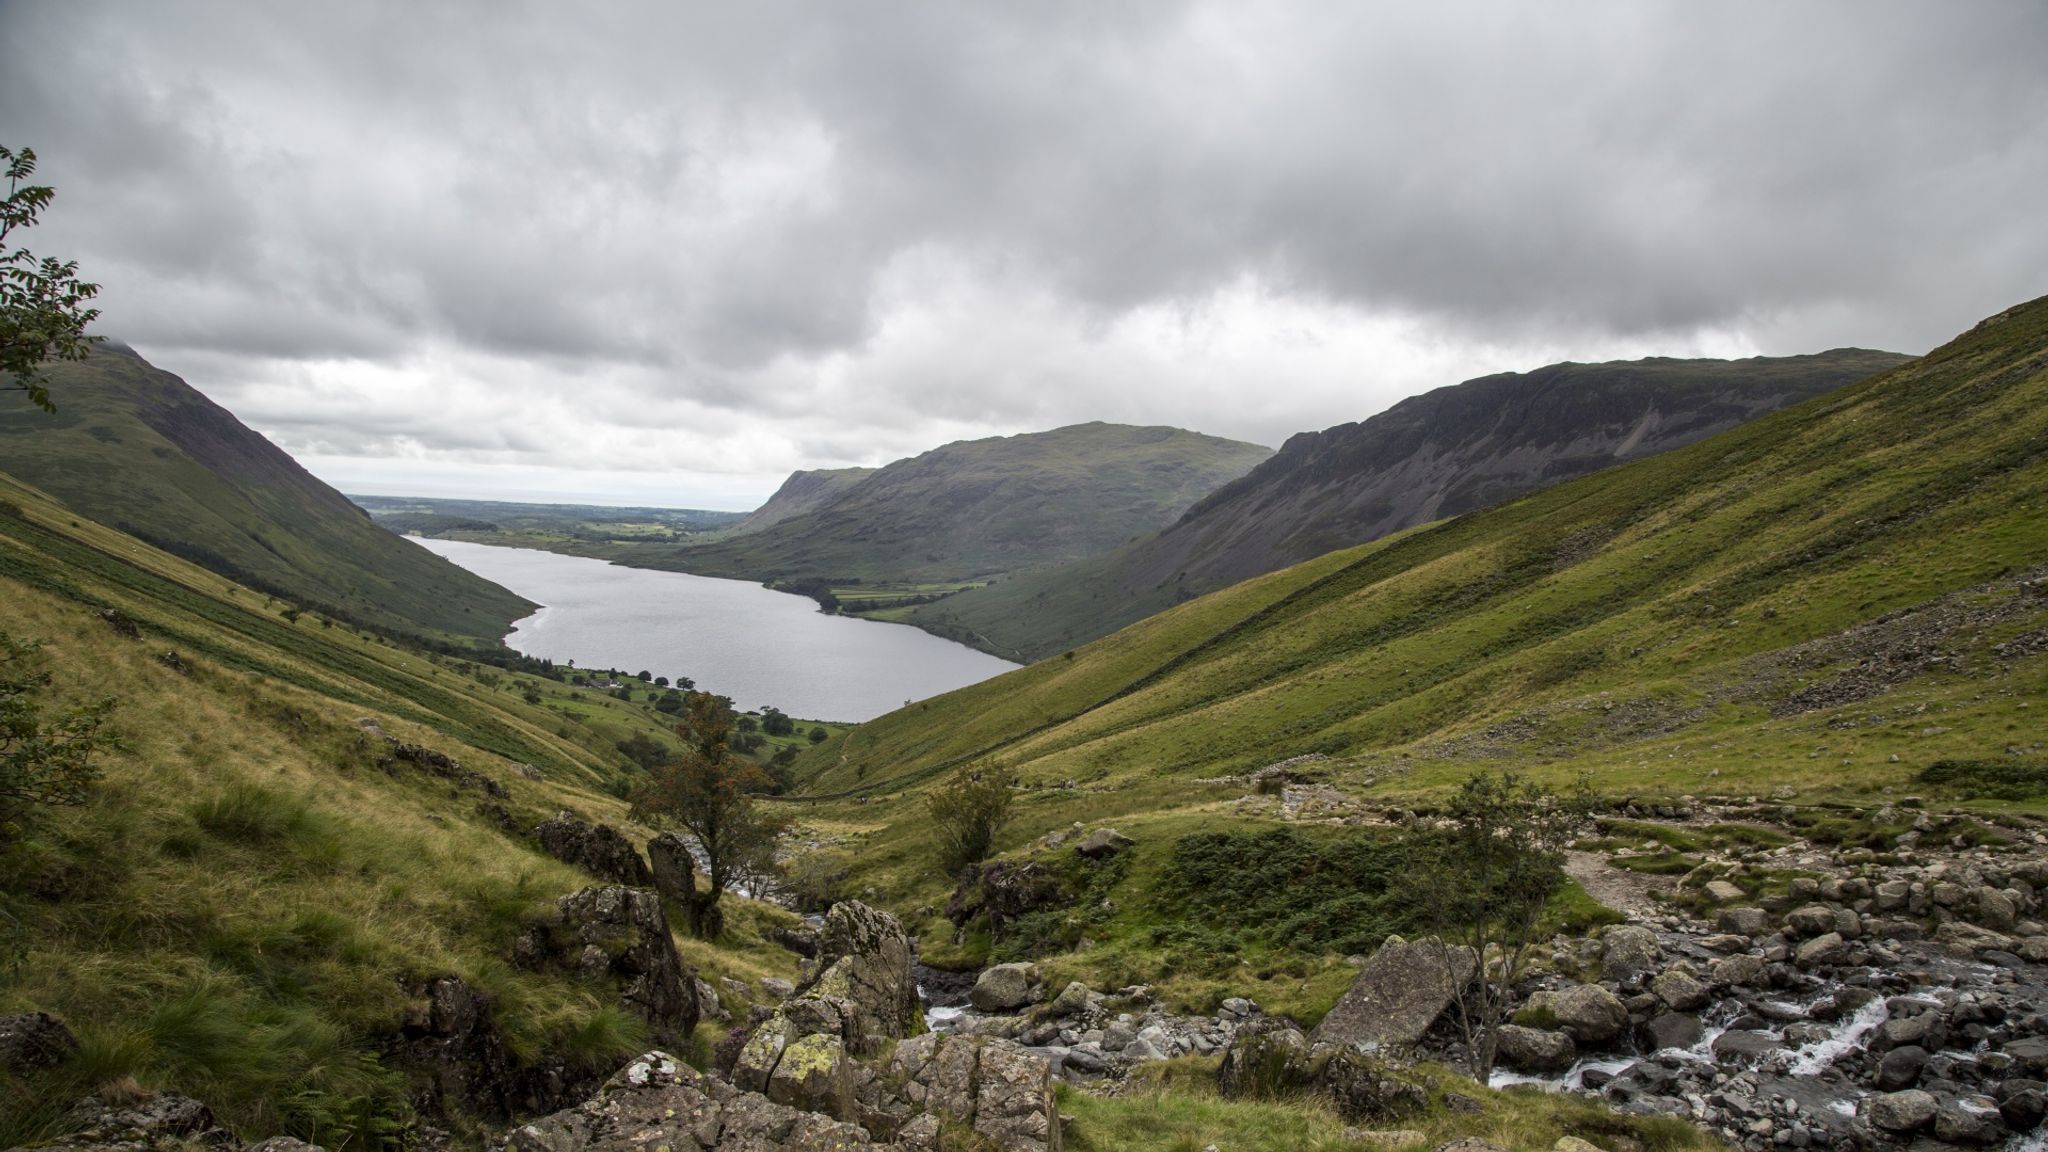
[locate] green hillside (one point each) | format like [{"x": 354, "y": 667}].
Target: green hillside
[
  {"x": 248, "y": 906},
  {"x": 1832, "y": 597},
  {"x": 1443, "y": 453},
  {"x": 140, "y": 450},
  {"x": 979, "y": 508}
]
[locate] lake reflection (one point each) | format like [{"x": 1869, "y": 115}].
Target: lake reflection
[{"x": 732, "y": 637}]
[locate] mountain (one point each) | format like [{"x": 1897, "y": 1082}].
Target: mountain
[
  {"x": 976, "y": 508},
  {"x": 1823, "y": 579},
  {"x": 804, "y": 491},
  {"x": 1440, "y": 454},
  {"x": 137, "y": 448}
]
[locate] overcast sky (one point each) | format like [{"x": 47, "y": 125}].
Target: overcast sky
[{"x": 665, "y": 253}]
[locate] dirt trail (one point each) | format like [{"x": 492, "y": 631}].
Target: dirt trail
[{"x": 1628, "y": 893}]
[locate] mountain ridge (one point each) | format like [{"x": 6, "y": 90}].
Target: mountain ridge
[
  {"x": 1442, "y": 453},
  {"x": 140, "y": 449}
]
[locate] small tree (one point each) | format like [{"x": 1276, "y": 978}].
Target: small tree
[
  {"x": 42, "y": 302},
  {"x": 43, "y": 760},
  {"x": 705, "y": 791},
  {"x": 818, "y": 735},
  {"x": 774, "y": 723},
  {"x": 1483, "y": 881},
  {"x": 969, "y": 811}
]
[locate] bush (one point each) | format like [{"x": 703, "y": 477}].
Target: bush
[
  {"x": 1991, "y": 779},
  {"x": 969, "y": 811},
  {"x": 1283, "y": 886},
  {"x": 43, "y": 761}
]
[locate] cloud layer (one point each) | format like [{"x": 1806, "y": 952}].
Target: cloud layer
[{"x": 666, "y": 252}]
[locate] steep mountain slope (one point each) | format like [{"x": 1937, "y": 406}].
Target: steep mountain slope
[
  {"x": 256, "y": 903},
  {"x": 1790, "y": 602},
  {"x": 804, "y": 491},
  {"x": 1437, "y": 455},
  {"x": 139, "y": 449},
  {"x": 979, "y": 507}
]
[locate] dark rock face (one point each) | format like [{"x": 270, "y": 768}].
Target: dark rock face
[
  {"x": 440, "y": 764},
  {"x": 1398, "y": 994},
  {"x": 32, "y": 1041},
  {"x": 994, "y": 1088},
  {"x": 452, "y": 1050},
  {"x": 620, "y": 934},
  {"x": 596, "y": 848},
  {"x": 1004, "y": 890},
  {"x": 674, "y": 870}
]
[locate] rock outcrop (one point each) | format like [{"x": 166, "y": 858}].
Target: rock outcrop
[
  {"x": 620, "y": 934},
  {"x": 598, "y": 849},
  {"x": 1271, "y": 1059},
  {"x": 864, "y": 959},
  {"x": 657, "y": 1101}
]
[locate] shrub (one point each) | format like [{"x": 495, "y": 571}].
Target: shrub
[{"x": 969, "y": 811}]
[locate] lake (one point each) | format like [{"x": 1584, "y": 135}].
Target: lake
[{"x": 732, "y": 637}]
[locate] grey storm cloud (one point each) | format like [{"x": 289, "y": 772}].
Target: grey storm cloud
[{"x": 732, "y": 204}]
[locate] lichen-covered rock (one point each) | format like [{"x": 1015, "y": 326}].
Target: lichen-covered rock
[
  {"x": 1002, "y": 1092},
  {"x": 864, "y": 960},
  {"x": 596, "y": 848},
  {"x": 1737, "y": 971},
  {"x": 1680, "y": 989},
  {"x": 1398, "y": 994},
  {"x": 1628, "y": 951},
  {"x": 814, "y": 1075},
  {"x": 657, "y": 1101},
  {"x": 162, "y": 1123}
]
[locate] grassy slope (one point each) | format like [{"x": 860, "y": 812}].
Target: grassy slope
[
  {"x": 137, "y": 448},
  {"x": 981, "y": 506},
  {"x": 236, "y": 913},
  {"x": 1654, "y": 626},
  {"x": 1444, "y": 453}
]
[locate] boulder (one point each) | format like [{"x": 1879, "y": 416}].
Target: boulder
[
  {"x": 1014, "y": 1104},
  {"x": 1737, "y": 971},
  {"x": 32, "y": 1041},
  {"x": 814, "y": 1075},
  {"x": 283, "y": 1144},
  {"x": 864, "y": 959},
  {"x": 1822, "y": 950},
  {"x": 1745, "y": 1046},
  {"x": 1627, "y": 952},
  {"x": 1469, "y": 1144},
  {"x": 1103, "y": 843},
  {"x": 674, "y": 869},
  {"x": 621, "y": 934},
  {"x": 1398, "y": 994},
  {"x": 657, "y": 1101},
  {"x": 1003, "y": 988},
  {"x": 1575, "y": 1144},
  {"x": 1906, "y": 1111},
  {"x": 1587, "y": 1013},
  {"x": 1680, "y": 990},
  {"x": 1969, "y": 1120},
  {"x": 1722, "y": 892},
  {"x": 1535, "y": 1049},
  {"x": 1072, "y": 1001},
  {"x": 1262, "y": 1060},
  {"x": 1810, "y": 920},
  {"x": 1672, "y": 1030},
  {"x": 1995, "y": 910},
  {"x": 596, "y": 848},
  {"x": 1743, "y": 921},
  {"x": 1900, "y": 1068},
  {"x": 1385, "y": 1137},
  {"x": 1365, "y": 1089}
]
